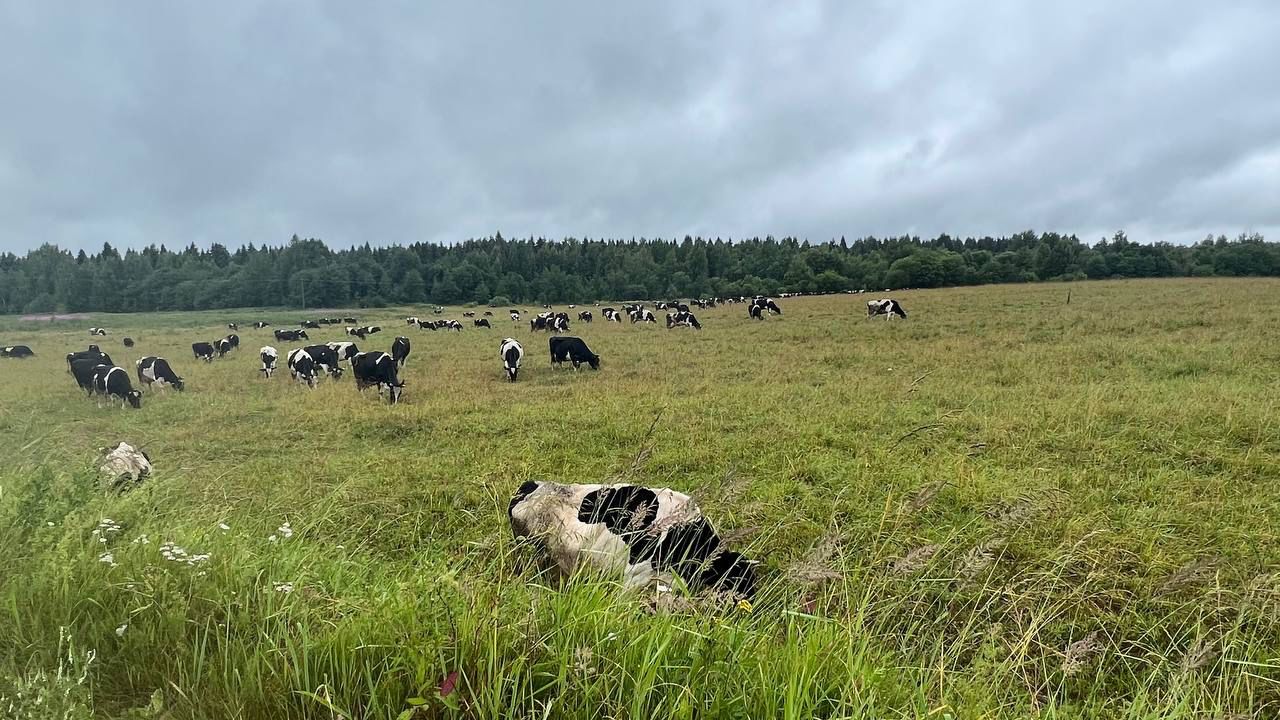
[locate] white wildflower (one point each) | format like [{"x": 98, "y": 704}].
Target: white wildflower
[
  {"x": 107, "y": 558},
  {"x": 223, "y": 527},
  {"x": 285, "y": 531},
  {"x": 271, "y": 539},
  {"x": 120, "y": 630},
  {"x": 283, "y": 587},
  {"x": 49, "y": 523}
]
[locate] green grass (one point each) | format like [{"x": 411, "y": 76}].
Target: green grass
[{"x": 1005, "y": 506}]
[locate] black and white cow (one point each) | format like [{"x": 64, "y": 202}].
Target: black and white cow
[
  {"x": 114, "y": 382},
  {"x": 642, "y": 315},
  {"x": 377, "y": 368},
  {"x": 452, "y": 325},
  {"x": 559, "y": 323},
  {"x": 481, "y": 322},
  {"x": 468, "y": 314},
  {"x": 203, "y": 350},
  {"x": 16, "y": 351},
  {"x": 83, "y": 370},
  {"x": 400, "y": 350},
  {"x": 97, "y": 331},
  {"x": 541, "y": 322},
  {"x": 886, "y": 307},
  {"x": 291, "y": 335},
  {"x": 349, "y": 320},
  {"x": 302, "y": 367},
  {"x": 648, "y": 536},
  {"x": 611, "y": 315},
  {"x": 411, "y": 320},
  {"x": 344, "y": 350},
  {"x": 765, "y": 303},
  {"x": 515, "y": 316},
  {"x": 260, "y": 325},
  {"x": 511, "y": 353},
  {"x": 269, "y": 357},
  {"x": 128, "y": 342},
  {"x": 371, "y": 329},
  {"x": 155, "y": 370},
  {"x": 682, "y": 318},
  {"x": 357, "y": 332},
  {"x": 574, "y": 350},
  {"x": 325, "y": 358},
  {"x": 232, "y": 327},
  {"x": 310, "y": 324},
  {"x": 488, "y": 313},
  {"x": 223, "y": 346},
  {"x": 585, "y": 316}
]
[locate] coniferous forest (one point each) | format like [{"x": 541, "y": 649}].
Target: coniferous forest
[{"x": 495, "y": 270}]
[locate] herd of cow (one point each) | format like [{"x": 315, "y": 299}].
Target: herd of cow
[{"x": 95, "y": 373}]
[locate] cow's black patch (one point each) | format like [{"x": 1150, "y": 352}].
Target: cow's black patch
[
  {"x": 730, "y": 571},
  {"x": 624, "y": 510},
  {"x": 526, "y": 489}
]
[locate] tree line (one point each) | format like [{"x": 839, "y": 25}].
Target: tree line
[{"x": 499, "y": 271}]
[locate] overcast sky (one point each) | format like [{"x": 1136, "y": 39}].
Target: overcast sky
[{"x": 145, "y": 122}]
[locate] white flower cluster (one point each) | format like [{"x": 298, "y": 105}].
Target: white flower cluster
[
  {"x": 284, "y": 532},
  {"x": 176, "y": 553},
  {"x": 106, "y": 527},
  {"x": 120, "y": 630},
  {"x": 107, "y": 558},
  {"x": 142, "y": 540},
  {"x": 283, "y": 587}
]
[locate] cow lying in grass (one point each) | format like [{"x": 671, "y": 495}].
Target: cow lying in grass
[{"x": 648, "y": 536}]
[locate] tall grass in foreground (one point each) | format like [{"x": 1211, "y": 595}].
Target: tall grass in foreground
[{"x": 1066, "y": 513}]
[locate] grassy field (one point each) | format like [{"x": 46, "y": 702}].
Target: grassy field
[{"x": 1004, "y": 506}]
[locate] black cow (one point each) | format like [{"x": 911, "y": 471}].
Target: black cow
[
  {"x": 291, "y": 335},
  {"x": 223, "y": 346},
  {"x": 574, "y": 350},
  {"x": 234, "y": 340},
  {"x": 16, "y": 351},
  {"x": 93, "y": 353},
  {"x": 400, "y": 350},
  {"x": 541, "y": 322},
  {"x": 765, "y": 303},
  {"x": 427, "y": 325},
  {"x": 325, "y": 358},
  {"x": 481, "y": 322},
  {"x": 585, "y": 316},
  {"x": 646, "y": 535},
  {"x": 269, "y": 357},
  {"x": 259, "y": 325},
  {"x": 511, "y": 353},
  {"x": 203, "y": 351},
  {"x": 468, "y": 314},
  {"x": 128, "y": 342},
  {"x": 488, "y": 313},
  {"x": 377, "y": 368},
  {"x": 886, "y": 307},
  {"x": 756, "y": 312},
  {"x": 113, "y": 382},
  {"x": 310, "y": 325},
  {"x": 350, "y": 320},
  {"x": 302, "y": 367},
  {"x": 152, "y": 369},
  {"x": 83, "y": 371}
]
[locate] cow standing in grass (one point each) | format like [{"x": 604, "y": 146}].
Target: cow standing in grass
[
  {"x": 114, "y": 383},
  {"x": 377, "y": 369},
  {"x": 511, "y": 353},
  {"x": 400, "y": 350},
  {"x": 269, "y": 357},
  {"x": 887, "y": 307},
  {"x": 155, "y": 371}
]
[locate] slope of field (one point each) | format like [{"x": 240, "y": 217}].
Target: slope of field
[{"x": 1005, "y": 505}]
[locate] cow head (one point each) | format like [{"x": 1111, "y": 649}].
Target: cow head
[
  {"x": 134, "y": 398},
  {"x": 396, "y": 390},
  {"x": 512, "y": 371},
  {"x": 594, "y": 362},
  {"x": 731, "y": 572},
  {"x": 178, "y": 384}
]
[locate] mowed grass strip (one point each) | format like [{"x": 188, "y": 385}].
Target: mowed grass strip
[{"x": 1004, "y": 506}]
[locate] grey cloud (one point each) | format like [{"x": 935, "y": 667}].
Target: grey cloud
[{"x": 244, "y": 122}]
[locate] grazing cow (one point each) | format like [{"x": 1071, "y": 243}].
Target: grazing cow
[
  {"x": 411, "y": 320},
  {"x": 203, "y": 351},
  {"x": 540, "y": 322},
  {"x": 269, "y": 357},
  {"x": 560, "y": 323},
  {"x": 511, "y": 353},
  {"x": 481, "y": 322},
  {"x": 357, "y": 332},
  {"x": 585, "y": 316},
  {"x": 156, "y": 370},
  {"x": 128, "y": 342},
  {"x": 224, "y": 346},
  {"x": 93, "y": 353},
  {"x": 453, "y": 325},
  {"x": 16, "y": 351},
  {"x": 427, "y": 325},
  {"x": 344, "y": 350},
  {"x": 682, "y": 318},
  {"x": 767, "y": 304},
  {"x": 234, "y": 340},
  {"x": 612, "y": 315},
  {"x": 349, "y": 320},
  {"x": 574, "y": 350},
  {"x": 371, "y": 329},
  {"x": 97, "y": 331},
  {"x": 325, "y": 358},
  {"x": 488, "y": 313},
  {"x": 515, "y": 316},
  {"x": 649, "y": 536},
  {"x": 291, "y": 335},
  {"x": 232, "y": 327},
  {"x": 377, "y": 368},
  {"x": 886, "y": 307},
  {"x": 83, "y": 370},
  {"x": 114, "y": 382},
  {"x": 468, "y": 314},
  {"x": 400, "y": 350},
  {"x": 302, "y": 367},
  {"x": 756, "y": 312},
  {"x": 310, "y": 324},
  {"x": 643, "y": 315},
  {"x": 260, "y": 325}
]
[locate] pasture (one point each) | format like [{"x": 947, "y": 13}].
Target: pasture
[{"x": 1002, "y": 506}]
